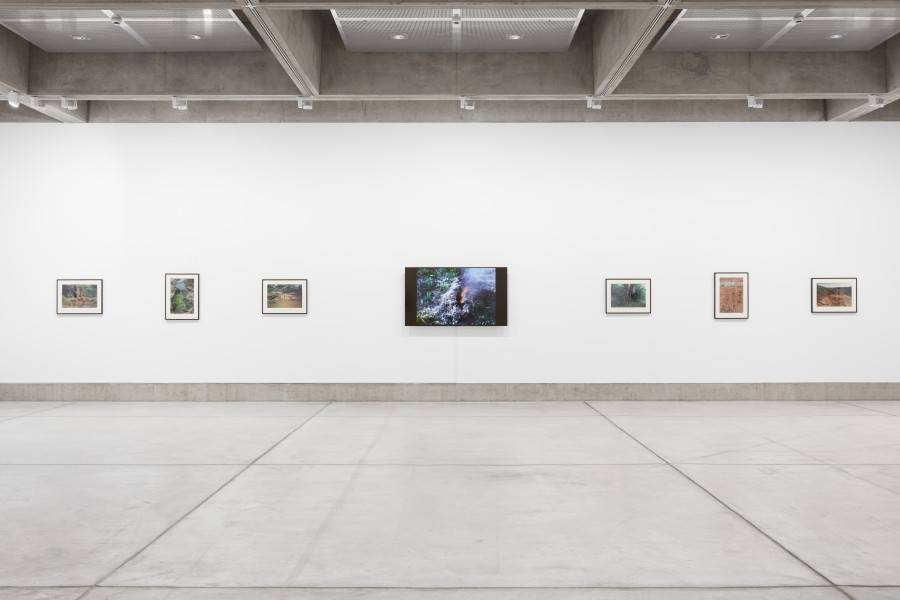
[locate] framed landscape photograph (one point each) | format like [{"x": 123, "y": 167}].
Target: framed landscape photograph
[
  {"x": 627, "y": 296},
  {"x": 834, "y": 294},
  {"x": 79, "y": 296},
  {"x": 182, "y": 296},
  {"x": 284, "y": 296},
  {"x": 732, "y": 295}
]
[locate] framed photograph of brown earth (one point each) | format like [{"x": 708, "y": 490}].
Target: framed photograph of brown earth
[
  {"x": 834, "y": 294},
  {"x": 182, "y": 296},
  {"x": 79, "y": 296},
  {"x": 627, "y": 296},
  {"x": 732, "y": 296},
  {"x": 284, "y": 296}
]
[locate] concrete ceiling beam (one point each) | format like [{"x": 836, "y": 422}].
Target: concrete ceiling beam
[
  {"x": 295, "y": 39},
  {"x": 849, "y": 110},
  {"x": 620, "y": 38}
]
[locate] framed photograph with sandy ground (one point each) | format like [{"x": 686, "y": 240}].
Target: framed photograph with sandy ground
[
  {"x": 182, "y": 296},
  {"x": 284, "y": 296},
  {"x": 732, "y": 295},
  {"x": 79, "y": 296},
  {"x": 627, "y": 296},
  {"x": 834, "y": 294}
]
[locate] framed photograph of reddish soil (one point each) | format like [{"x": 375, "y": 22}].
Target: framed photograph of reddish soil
[
  {"x": 284, "y": 296},
  {"x": 834, "y": 294},
  {"x": 79, "y": 296},
  {"x": 732, "y": 295},
  {"x": 627, "y": 296},
  {"x": 182, "y": 296}
]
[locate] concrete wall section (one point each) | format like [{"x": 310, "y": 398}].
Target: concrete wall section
[{"x": 349, "y": 206}]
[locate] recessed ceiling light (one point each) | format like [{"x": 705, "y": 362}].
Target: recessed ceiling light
[
  {"x": 398, "y": 36},
  {"x": 836, "y": 36},
  {"x": 81, "y": 38},
  {"x": 194, "y": 36},
  {"x": 720, "y": 36},
  {"x": 514, "y": 36}
]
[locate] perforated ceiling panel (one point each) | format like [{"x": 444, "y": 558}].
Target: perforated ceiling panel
[
  {"x": 819, "y": 30},
  {"x": 460, "y": 30},
  {"x": 139, "y": 31}
]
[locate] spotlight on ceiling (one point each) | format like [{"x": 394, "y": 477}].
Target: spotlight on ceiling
[
  {"x": 115, "y": 19},
  {"x": 81, "y": 38},
  {"x": 194, "y": 36},
  {"x": 68, "y": 103},
  {"x": 467, "y": 103},
  {"x": 457, "y": 16},
  {"x": 720, "y": 36},
  {"x": 304, "y": 104},
  {"x": 594, "y": 103},
  {"x": 754, "y": 102},
  {"x": 836, "y": 36},
  {"x": 179, "y": 104},
  {"x": 13, "y": 98},
  {"x": 876, "y": 101},
  {"x": 37, "y": 103},
  {"x": 514, "y": 37},
  {"x": 398, "y": 36}
]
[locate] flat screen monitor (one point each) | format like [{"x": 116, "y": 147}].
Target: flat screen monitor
[{"x": 455, "y": 296}]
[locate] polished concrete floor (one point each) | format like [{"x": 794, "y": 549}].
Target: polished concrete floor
[{"x": 450, "y": 501}]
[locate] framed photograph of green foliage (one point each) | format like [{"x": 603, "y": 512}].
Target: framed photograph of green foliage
[
  {"x": 284, "y": 296},
  {"x": 627, "y": 296},
  {"x": 79, "y": 296},
  {"x": 182, "y": 296}
]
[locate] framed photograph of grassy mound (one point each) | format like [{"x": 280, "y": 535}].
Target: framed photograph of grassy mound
[
  {"x": 627, "y": 296},
  {"x": 456, "y": 296},
  {"x": 79, "y": 296},
  {"x": 284, "y": 296},
  {"x": 732, "y": 295},
  {"x": 834, "y": 294},
  {"x": 182, "y": 296}
]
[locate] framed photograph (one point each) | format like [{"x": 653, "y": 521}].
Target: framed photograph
[
  {"x": 182, "y": 296},
  {"x": 627, "y": 296},
  {"x": 834, "y": 294},
  {"x": 456, "y": 296},
  {"x": 732, "y": 295},
  {"x": 79, "y": 296},
  {"x": 284, "y": 296}
]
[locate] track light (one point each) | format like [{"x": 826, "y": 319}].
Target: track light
[
  {"x": 457, "y": 16},
  {"x": 304, "y": 104},
  {"x": 13, "y": 98},
  {"x": 754, "y": 102},
  {"x": 466, "y": 103},
  {"x": 179, "y": 103},
  {"x": 37, "y": 103},
  {"x": 68, "y": 103},
  {"x": 594, "y": 103},
  {"x": 876, "y": 101}
]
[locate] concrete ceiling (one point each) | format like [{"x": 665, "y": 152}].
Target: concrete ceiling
[{"x": 640, "y": 60}]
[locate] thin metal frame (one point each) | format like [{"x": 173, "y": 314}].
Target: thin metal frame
[
  {"x": 305, "y": 296},
  {"x": 79, "y": 313},
  {"x": 196, "y": 277},
  {"x": 746, "y": 276},
  {"x": 649, "y": 296},
  {"x": 812, "y": 296}
]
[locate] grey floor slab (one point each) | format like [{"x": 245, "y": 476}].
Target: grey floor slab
[
  {"x": 891, "y": 407},
  {"x": 187, "y": 409},
  {"x": 70, "y": 526},
  {"x": 370, "y": 526},
  {"x": 72, "y": 593},
  {"x": 769, "y": 440},
  {"x": 18, "y": 409},
  {"x": 465, "y": 594},
  {"x": 727, "y": 409},
  {"x": 878, "y": 593},
  {"x": 459, "y": 440},
  {"x": 145, "y": 440},
  {"x": 457, "y": 409},
  {"x": 843, "y": 521}
]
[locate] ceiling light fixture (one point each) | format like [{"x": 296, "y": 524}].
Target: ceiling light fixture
[
  {"x": 457, "y": 16},
  {"x": 81, "y": 38},
  {"x": 68, "y": 103},
  {"x": 754, "y": 102},
  {"x": 179, "y": 104},
  {"x": 13, "y": 98},
  {"x": 594, "y": 102},
  {"x": 398, "y": 36},
  {"x": 37, "y": 103},
  {"x": 466, "y": 103},
  {"x": 194, "y": 36},
  {"x": 115, "y": 19},
  {"x": 304, "y": 104},
  {"x": 836, "y": 36},
  {"x": 876, "y": 101},
  {"x": 720, "y": 36},
  {"x": 514, "y": 36}
]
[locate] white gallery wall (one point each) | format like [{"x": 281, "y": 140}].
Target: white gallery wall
[{"x": 348, "y": 206}]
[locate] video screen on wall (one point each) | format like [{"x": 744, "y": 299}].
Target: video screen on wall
[{"x": 454, "y": 296}]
